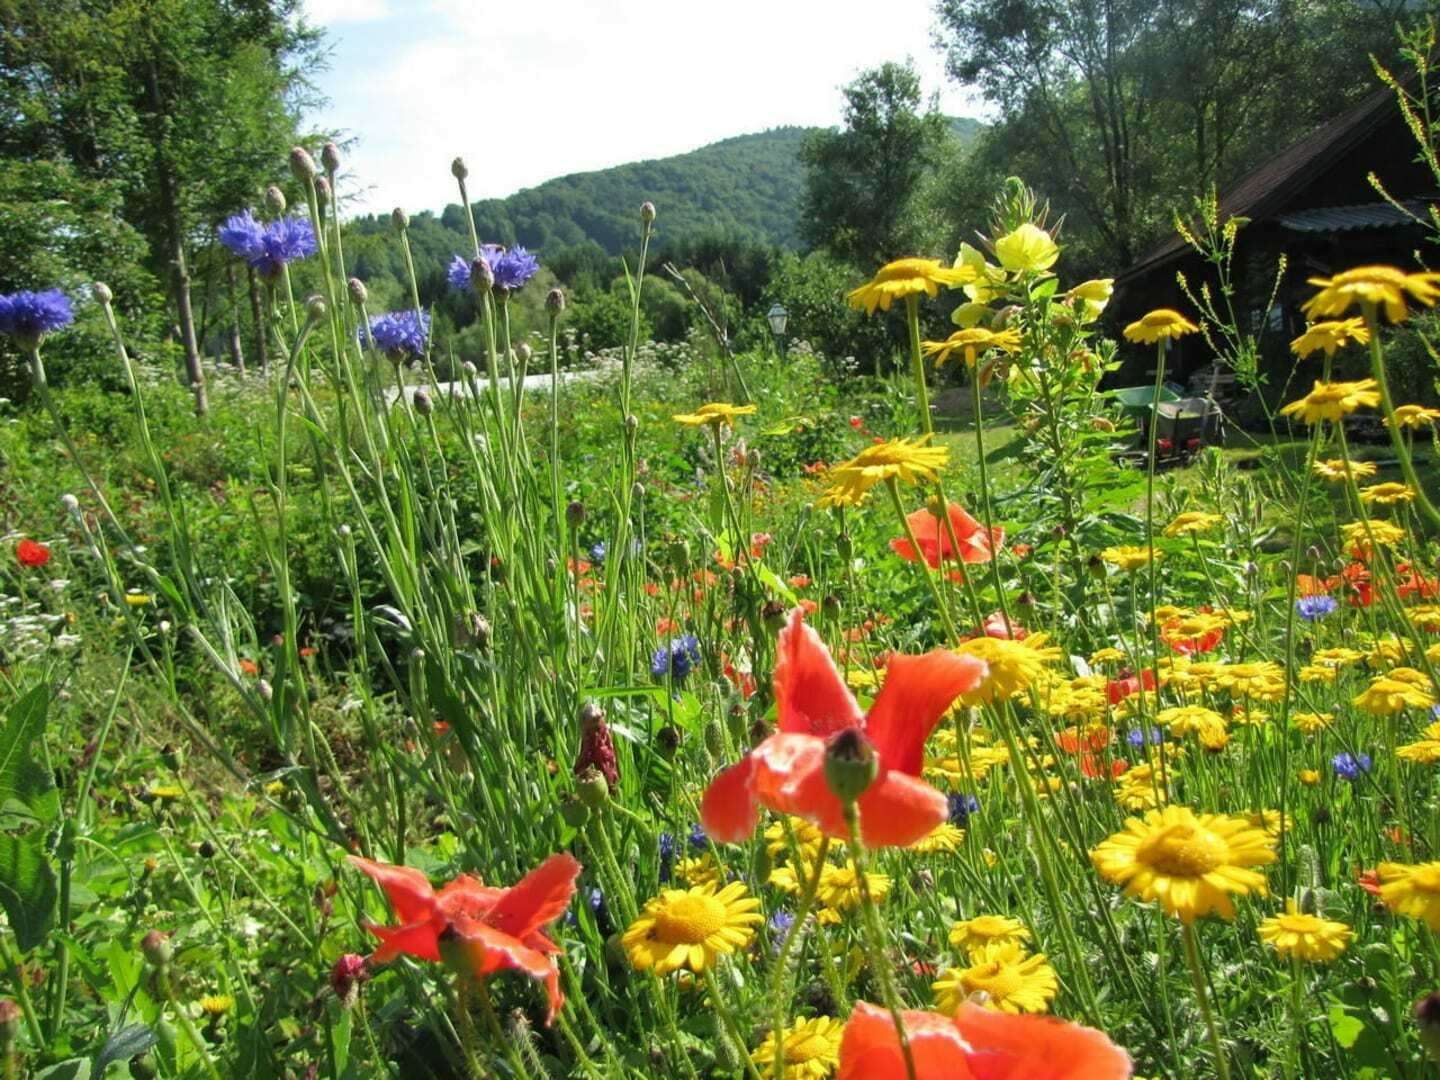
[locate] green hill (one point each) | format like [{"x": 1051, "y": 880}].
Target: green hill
[{"x": 746, "y": 187}]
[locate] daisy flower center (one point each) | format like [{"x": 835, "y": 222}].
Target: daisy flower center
[
  {"x": 689, "y": 920},
  {"x": 1184, "y": 851},
  {"x": 996, "y": 979}
]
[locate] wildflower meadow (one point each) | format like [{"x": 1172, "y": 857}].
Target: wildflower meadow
[{"x": 707, "y": 712}]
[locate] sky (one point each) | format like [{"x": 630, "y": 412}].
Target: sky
[{"x": 533, "y": 89}]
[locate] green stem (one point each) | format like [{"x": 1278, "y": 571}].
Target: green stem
[
  {"x": 727, "y": 1019},
  {"x": 922, "y": 394},
  {"x": 1397, "y": 439},
  {"x": 1202, "y": 997},
  {"x": 780, "y": 988},
  {"x": 930, "y": 579}
]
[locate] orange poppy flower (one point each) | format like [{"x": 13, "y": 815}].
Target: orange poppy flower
[
  {"x": 31, "y": 553},
  {"x": 1356, "y": 578},
  {"x": 490, "y": 929},
  {"x": 977, "y": 1044},
  {"x": 933, "y": 538},
  {"x": 1408, "y": 580},
  {"x": 998, "y": 626},
  {"x": 1308, "y": 585},
  {"x": 786, "y": 772}
]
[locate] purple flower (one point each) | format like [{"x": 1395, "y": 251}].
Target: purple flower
[
  {"x": 28, "y": 316},
  {"x": 597, "y": 552},
  {"x": 460, "y": 272},
  {"x": 1349, "y": 766},
  {"x": 697, "y": 839},
  {"x": 780, "y": 924},
  {"x": 667, "y": 856},
  {"x": 401, "y": 334},
  {"x": 268, "y": 247},
  {"x": 514, "y": 268},
  {"x": 1311, "y": 608},
  {"x": 676, "y": 658},
  {"x": 1141, "y": 737},
  {"x": 961, "y": 807}
]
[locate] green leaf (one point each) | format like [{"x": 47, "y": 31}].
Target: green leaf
[
  {"x": 1344, "y": 1027},
  {"x": 71, "y": 1069},
  {"x": 123, "y": 1045},
  {"x": 27, "y": 888},
  {"x": 22, "y": 779}
]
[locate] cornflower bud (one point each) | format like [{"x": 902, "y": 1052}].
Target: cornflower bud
[
  {"x": 647, "y": 212},
  {"x": 458, "y": 169},
  {"x": 102, "y": 292},
  {"x": 523, "y": 352},
  {"x": 555, "y": 301},
  {"x": 302, "y": 165},
  {"x": 851, "y": 764},
  {"x": 482, "y": 275},
  {"x": 155, "y": 947},
  {"x": 575, "y": 514},
  {"x": 330, "y": 157},
  {"x": 422, "y": 401},
  {"x": 358, "y": 293},
  {"x": 275, "y": 200},
  {"x": 315, "y": 307},
  {"x": 399, "y": 219},
  {"x": 322, "y": 192}
]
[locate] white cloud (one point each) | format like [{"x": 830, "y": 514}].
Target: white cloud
[
  {"x": 529, "y": 91},
  {"x": 337, "y": 12}
]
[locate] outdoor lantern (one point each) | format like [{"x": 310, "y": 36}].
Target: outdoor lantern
[{"x": 778, "y": 317}]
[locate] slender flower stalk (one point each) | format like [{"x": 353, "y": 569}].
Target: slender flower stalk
[
  {"x": 1202, "y": 997},
  {"x": 1387, "y": 404},
  {"x": 780, "y": 983}
]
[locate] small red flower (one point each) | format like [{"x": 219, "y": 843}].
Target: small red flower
[
  {"x": 31, "y": 553},
  {"x": 1369, "y": 880},
  {"x": 1117, "y": 690},
  {"x": 489, "y": 929},
  {"x": 1021, "y": 551},
  {"x": 800, "y": 581},
  {"x": 249, "y": 667},
  {"x": 933, "y": 538},
  {"x": 786, "y": 772},
  {"x": 857, "y": 423},
  {"x": 976, "y": 1044}
]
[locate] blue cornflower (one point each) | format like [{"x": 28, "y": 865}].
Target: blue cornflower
[
  {"x": 1349, "y": 766},
  {"x": 514, "y": 268},
  {"x": 961, "y": 807},
  {"x": 268, "y": 247},
  {"x": 697, "y": 839},
  {"x": 597, "y": 552},
  {"x": 1311, "y": 608},
  {"x": 1140, "y": 737},
  {"x": 28, "y": 316},
  {"x": 667, "y": 857},
  {"x": 401, "y": 334},
  {"x": 780, "y": 924},
  {"x": 596, "y": 900},
  {"x": 676, "y": 658}
]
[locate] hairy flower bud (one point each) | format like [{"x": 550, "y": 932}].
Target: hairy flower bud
[
  {"x": 399, "y": 219},
  {"x": 555, "y": 301},
  {"x": 348, "y": 972},
  {"x": 523, "y": 352},
  {"x": 575, "y": 514},
  {"x": 322, "y": 192},
  {"x": 275, "y": 200},
  {"x": 315, "y": 306},
  {"x": 358, "y": 292},
  {"x": 851, "y": 764},
  {"x": 102, "y": 292},
  {"x": 423, "y": 404},
  {"x": 482, "y": 275},
  {"x": 302, "y": 164},
  {"x": 155, "y": 947},
  {"x": 330, "y": 157},
  {"x": 458, "y": 169},
  {"x": 647, "y": 212}
]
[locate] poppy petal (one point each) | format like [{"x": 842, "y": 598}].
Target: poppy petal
[
  {"x": 917, "y": 691},
  {"x": 488, "y": 950},
  {"x": 810, "y": 696},
  {"x": 1006, "y": 1047},
  {"x": 899, "y": 809},
  {"x": 420, "y": 940},
  {"x": 870, "y": 1046},
  {"x": 728, "y": 810},
  {"x": 408, "y": 889},
  {"x": 465, "y": 895},
  {"x": 540, "y": 897}
]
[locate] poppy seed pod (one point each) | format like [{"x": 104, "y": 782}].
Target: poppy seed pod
[
  {"x": 593, "y": 789},
  {"x": 555, "y": 301},
  {"x": 851, "y": 764},
  {"x": 458, "y": 169},
  {"x": 573, "y": 812},
  {"x": 302, "y": 164},
  {"x": 330, "y": 157},
  {"x": 647, "y": 212},
  {"x": 399, "y": 219},
  {"x": 275, "y": 200},
  {"x": 102, "y": 292}
]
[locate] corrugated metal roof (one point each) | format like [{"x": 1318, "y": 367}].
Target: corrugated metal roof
[{"x": 1366, "y": 216}]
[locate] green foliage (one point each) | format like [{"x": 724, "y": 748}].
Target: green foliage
[
  {"x": 812, "y": 289},
  {"x": 29, "y": 804}
]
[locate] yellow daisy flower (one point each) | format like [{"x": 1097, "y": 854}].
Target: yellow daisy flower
[
  {"x": 812, "y": 1049},
  {"x": 1386, "y": 696},
  {"x": 701, "y": 870},
  {"x": 1412, "y": 890},
  {"x": 1014, "y": 665},
  {"x": 1189, "y": 862},
  {"x": 1339, "y": 656},
  {"x": 907, "y": 460},
  {"x": 716, "y": 413},
  {"x": 840, "y": 886},
  {"x": 1330, "y": 336},
  {"x": 1387, "y": 494},
  {"x": 1333, "y": 469},
  {"x": 689, "y": 928},
  {"x": 1386, "y": 534},
  {"x": 1000, "y": 977},
  {"x": 1107, "y": 655},
  {"x": 1305, "y": 937},
  {"x": 1334, "y": 401},
  {"x": 973, "y": 935},
  {"x": 1309, "y": 777},
  {"x": 1185, "y": 720},
  {"x": 944, "y": 840},
  {"x": 907, "y": 277},
  {"x": 1311, "y": 723},
  {"x": 1129, "y": 557},
  {"x": 216, "y": 1005},
  {"x": 1193, "y": 523},
  {"x": 1414, "y": 416},
  {"x": 1161, "y": 323},
  {"x": 1425, "y": 751},
  {"x": 972, "y": 344},
  {"x": 1426, "y": 617},
  {"x": 1379, "y": 286}
]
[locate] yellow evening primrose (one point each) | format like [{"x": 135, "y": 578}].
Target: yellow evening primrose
[
  {"x": 689, "y": 928},
  {"x": 1090, "y": 297},
  {"x": 1384, "y": 287},
  {"x": 1028, "y": 249},
  {"x": 972, "y": 344},
  {"x": 1158, "y": 324},
  {"x": 715, "y": 413},
  {"x": 1330, "y": 336},
  {"x": 812, "y": 1049},
  {"x": 1412, "y": 890},
  {"x": 1305, "y": 937},
  {"x": 1191, "y": 863},
  {"x": 1000, "y": 977},
  {"x": 1333, "y": 469},
  {"x": 907, "y": 277},
  {"x": 907, "y": 460},
  {"x": 1334, "y": 401}
]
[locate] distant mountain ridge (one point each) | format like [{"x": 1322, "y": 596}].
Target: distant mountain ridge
[{"x": 748, "y": 186}]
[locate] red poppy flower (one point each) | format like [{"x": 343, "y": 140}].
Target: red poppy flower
[
  {"x": 1117, "y": 690},
  {"x": 249, "y": 667},
  {"x": 490, "y": 929},
  {"x": 1409, "y": 581},
  {"x": 1072, "y": 741},
  {"x": 856, "y": 423},
  {"x": 998, "y": 626},
  {"x": 933, "y": 538},
  {"x": 1093, "y": 767},
  {"x": 977, "y": 1044},
  {"x": 786, "y": 772},
  {"x": 1356, "y": 578},
  {"x": 1021, "y": 551},
  {"x": 30, "y": 553},
  {"x": 1164, "y": 445},
  {"x": 800, "y": 581},
  {"x": 1369, "y": 880}
]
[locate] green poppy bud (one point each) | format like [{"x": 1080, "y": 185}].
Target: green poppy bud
[{"x": 851, "y": 764}]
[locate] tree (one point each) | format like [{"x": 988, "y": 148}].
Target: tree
[{"x": 861, "y": 181}]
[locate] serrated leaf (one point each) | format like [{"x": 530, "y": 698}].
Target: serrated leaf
[{"x": 22, "y": 779}]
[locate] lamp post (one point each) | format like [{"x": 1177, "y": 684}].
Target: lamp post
[{"x": 777, "y": 316}]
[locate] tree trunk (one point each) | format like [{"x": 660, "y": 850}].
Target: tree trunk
[
  {"x": 237, "y": 353},
  {"x": 257, "y": 315},
  {"x": 180, "y": 276}
]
